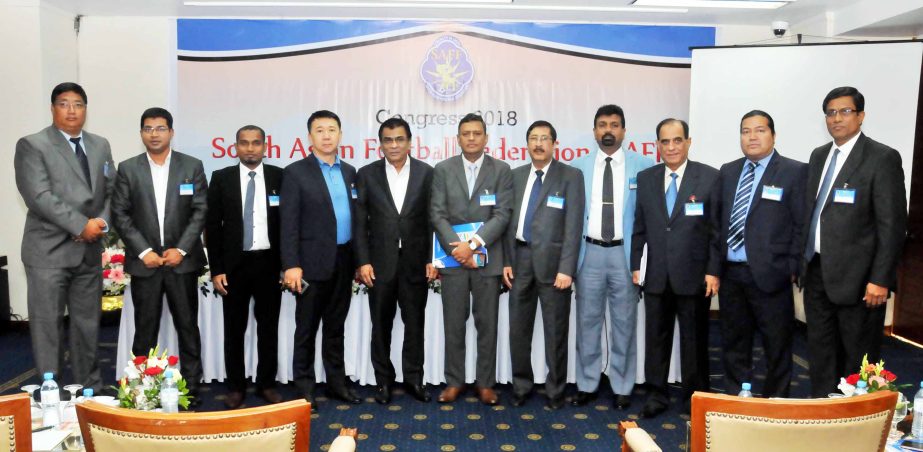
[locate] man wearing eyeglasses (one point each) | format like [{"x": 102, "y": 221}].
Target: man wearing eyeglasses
[
  {"x": 856, "y": 209},
  {"x": 65, "y": 176},
  {"x": 393, "y": 241},
  {"x": 543, "y": 244},
  {"x": 159, "y": 209}
]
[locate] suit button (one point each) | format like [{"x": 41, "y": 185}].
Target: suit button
[{"x": 668, "y": 229}]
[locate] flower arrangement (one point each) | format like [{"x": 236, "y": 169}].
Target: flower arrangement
[
  {"x": 875, "y": 375},
  {"x": 436, "y": 285},
  {"x": 205, "y": 281},
  {"x": 114, "y": 277},
  {"x": 140, "y": 387},
  {"x": 359, "y": 287}
]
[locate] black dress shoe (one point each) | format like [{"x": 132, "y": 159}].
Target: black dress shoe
[
  {"x": 555, "y": 403},
  {"x": 344, "y": 394},
  {"x": 519, "y": 399},
  {"x": 234, "y": 399},
  {"x": 621, "y": 402},
  {"x": 652, "y": 409},
  {"x": 418, "y": 392},
  {"x": 383, "y": 396},
  {"x": 583, "y": 398}
]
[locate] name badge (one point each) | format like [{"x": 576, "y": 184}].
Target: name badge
[
  {"x": 186, "y": 189},
  {"x": 273, "y": 200},
  {"x": 106, "y": 169},
  {"x": 488, "y": 200},
  {"x": 772, "y": 193},
  {"x": 632, "y": 183},
  {"x": 555, "y": 202},
  {"x": 844, "y": 195},
  {"x": 695, "y": 209},
  {"x": 353, "y": 192}
]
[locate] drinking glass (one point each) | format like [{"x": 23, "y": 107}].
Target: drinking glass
[{"x": 900, "y": 412}]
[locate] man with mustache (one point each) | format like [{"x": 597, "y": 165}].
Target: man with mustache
[
  {"x": 603, "y": 276},
  {"x": 543, "y": 242}
]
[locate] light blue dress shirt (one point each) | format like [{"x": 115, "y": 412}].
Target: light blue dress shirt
[
  {"x": 339, "y": 196},
  {"x": 740, "y": 254}
]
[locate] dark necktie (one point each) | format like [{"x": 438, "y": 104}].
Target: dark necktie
[
  {"x": 533, "y": 203},
  {"x": 82, "y": 159},
  {"x": 608, "y": 220},
  {"x": 248, "y": 212},
  {"x": 741, "y": 206},
  {"x": 819, "y": 204}
]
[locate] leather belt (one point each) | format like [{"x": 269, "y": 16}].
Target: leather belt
[{"x": 604, "y": 243}]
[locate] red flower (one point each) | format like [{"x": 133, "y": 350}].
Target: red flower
[
  {"x": 888, "y": 375},
  {"x": 139, "y": 360},
  {"x": 172, "y": 360},
  {"x": 117, "y": 259},
  {"x": 852, "y": 379},
  {"x": 153, "y": 371},
  {"x": 106, "y": 273}
]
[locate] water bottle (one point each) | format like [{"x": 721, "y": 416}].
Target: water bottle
[
  {"x": 87, "y": 394},
  {"x": 862, "y": 388},
  {"x": 745, "y": 390},
  {"x": 917, "y": 429},
  {"x": 169, "y": 393},
  {"x": 50, "y": 400}
]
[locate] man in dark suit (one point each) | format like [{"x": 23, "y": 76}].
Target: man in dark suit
[
  {"x": 393, "y": 245},
  {"x": 65, "y": 176},
  {"x": 242, "y": 235},
  {"x": 761, "y": 217},
  {"x": 543, "y": 244},
  {"x": 856, "y": 210},
  {"x": 159, "y": 210},
  {"x": 467, "y": 188},
  {"x": 674, "y": 217},
  {"x": 318, "y": 195}
]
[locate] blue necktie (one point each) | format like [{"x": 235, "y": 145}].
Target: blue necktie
[
  {"x": 533, "y": 203},
  {"x": 248, "y": 212},
  {"x": 671, "y": 194},
  {"x": 741, "y": 206},
  {"x": 82, "y": 159},
  {"x": 819, "y": 204}
]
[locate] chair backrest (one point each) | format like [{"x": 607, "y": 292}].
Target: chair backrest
[
  {"x": 278, "y": 427},
  {"x": 15, "y": 423},
  {"x": 729, "y": 423}
]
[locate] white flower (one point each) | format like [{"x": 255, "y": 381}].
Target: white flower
[
  {"x": 846, "y": 388},
  {"x": 152, "y": 362},
  {"x": 176, "y": 375},
  {"x": 132, "y": 372}
]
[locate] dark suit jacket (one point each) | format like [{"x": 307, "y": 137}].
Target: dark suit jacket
[
  {"x": 450, "y": 205},
  {"x": 773, "y": 229},
  {"x": 224, "y": 225},
  {"x": 681, "y": 249},
  {"x": 135, "y": 211},
  {"x": 60, "y": 202},
  {"x": 556, "y": 233},
  {"x": 861, "y": 242},
  {"x": 378, "y": 227},
  {"x": 309, "y": 224}
]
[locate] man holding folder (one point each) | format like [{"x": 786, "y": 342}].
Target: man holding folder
[{"x": 471, "y": 188}]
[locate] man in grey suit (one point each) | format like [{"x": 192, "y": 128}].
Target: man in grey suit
[
  {"x": 159, "y": 210},
  {"x": 543, "y": 243},
  {"x": 468, "y": 188},
  {"x": 65, "y": 176}
]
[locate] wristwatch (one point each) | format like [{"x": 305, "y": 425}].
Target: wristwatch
[{"x": 472, "y": 244}]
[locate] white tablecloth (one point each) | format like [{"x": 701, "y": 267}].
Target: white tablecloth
[{"x": 358, "y": 342}]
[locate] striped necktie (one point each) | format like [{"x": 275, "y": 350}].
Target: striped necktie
[{"x": 741, "y": 206}]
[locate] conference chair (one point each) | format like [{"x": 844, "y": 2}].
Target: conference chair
[
  {"x": 849, "y": 424},
  {"x": 15, "y": 423},
  {"x": 276, "y": 427}
]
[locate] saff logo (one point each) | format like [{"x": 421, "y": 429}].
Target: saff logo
[{"x": 447, "y": 72}]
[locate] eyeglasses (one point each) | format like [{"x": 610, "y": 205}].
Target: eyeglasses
[
  {"x": 65, "y": 105},
  {"x": 160, "y": 129},
  {"x": 844, "y": 112},
  {"x": 539, "y": 139},
  {"x": 390, "y": 140}
]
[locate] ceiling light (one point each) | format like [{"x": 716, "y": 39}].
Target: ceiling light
[
  {"x": 734, "y": 4},
  {"x": 457, "y": 4}
]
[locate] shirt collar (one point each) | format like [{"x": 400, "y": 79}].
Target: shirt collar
[
  {"x": 544, "y": 170},
  {"x": 679, "y": 171},
  {"x": 68, "y": 137},
  {"x": 846, "y": 148},
  {"x": 393, "y": 169},
  {"x": 617, "y": 157},
  {"x": 477, "y": 163},
  {"x": 336, "y": 161},
  {"x": 166, "y": 163},
  {"x": 764, "y": 162},
  {"x": 245, "y": 172}
]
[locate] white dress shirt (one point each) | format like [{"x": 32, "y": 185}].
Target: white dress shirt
[
  {"x": 525, "y": 199},
  {"x": 845, "y": 149},
  {"x": 397, "y": 183},
  {"x": 679, "y": 176},
  {"x": 260, "y": 211},
  {"x": 594, "y": 229},
  {"x": 68, "y": 137},
  {"x": 159, "y": 175}
]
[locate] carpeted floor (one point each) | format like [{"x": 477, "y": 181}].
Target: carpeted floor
[{"x": 467, "y": 424}]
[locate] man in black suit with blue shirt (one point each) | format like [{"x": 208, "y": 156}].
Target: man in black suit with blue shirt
[
  {"x": 317, "y": 203},
  {"x": 761, "y": 218},
  {"x": 675, "y": 219}
]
